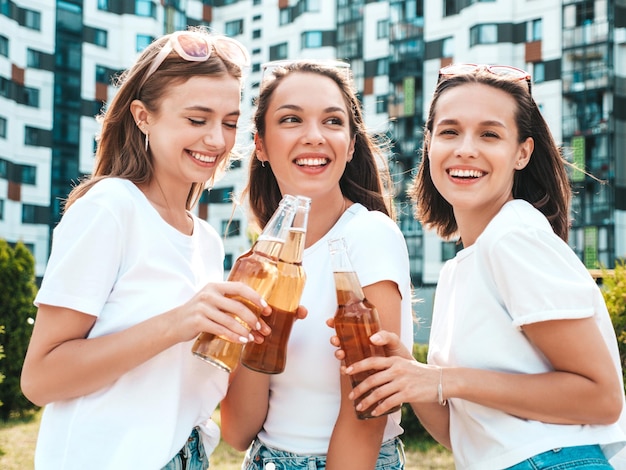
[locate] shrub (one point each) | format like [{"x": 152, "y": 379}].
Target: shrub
[
  {"x": 413, "y": 429},
  {"x": 614, "y": 292},
  {"x": 17, "y": 278}
]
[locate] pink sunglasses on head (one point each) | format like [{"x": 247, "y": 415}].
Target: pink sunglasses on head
[{"x": 197, "y": 47}]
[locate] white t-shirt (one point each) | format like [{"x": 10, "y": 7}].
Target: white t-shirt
[
  {"x": 305, "y": 398},
  {"x": 114, "y": 257},
  {"x": 517, "y": 273}
]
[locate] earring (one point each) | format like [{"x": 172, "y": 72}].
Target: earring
[
  {"x": 146, "y": 142},
  {"x": 263, "y": 163}
]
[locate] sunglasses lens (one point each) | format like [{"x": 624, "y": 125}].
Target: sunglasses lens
[
  {"x": 506, "y": 71},
  {"x": 232, "y": 52},
  {"x": 194, "y": 46}
]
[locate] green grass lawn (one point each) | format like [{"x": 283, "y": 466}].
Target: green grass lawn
[{"x": 18, "y": 438}]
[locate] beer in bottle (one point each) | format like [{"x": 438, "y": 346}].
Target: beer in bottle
[
  {"x": 256, "y": 268},
  {"x": 356, "y": 319},
  {"x": 270, "y": 356}
]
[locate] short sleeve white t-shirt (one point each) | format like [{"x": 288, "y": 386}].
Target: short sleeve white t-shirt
[
  {"x": 305, "y": 398},
  {"x": 518, "y": 272},
  {"x": 113, "y": 257}
]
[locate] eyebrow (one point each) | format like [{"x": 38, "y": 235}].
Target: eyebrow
[
  {"x": 448, "y": 122},
  {"x": 330, "y": 109},
  {"x": 204, "y": 109}
]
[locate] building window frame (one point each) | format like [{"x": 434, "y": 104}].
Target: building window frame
[
  {"x": 233, "y": 28},
  {"x": 486, "y": 33}
]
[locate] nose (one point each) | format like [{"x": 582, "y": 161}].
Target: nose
[
  {"x": 214, "y": 137},
  {"x": 313, "y": 134},
  {"x": 467, "y": 147}
]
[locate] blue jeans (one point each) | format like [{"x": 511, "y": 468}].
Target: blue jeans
[
  {"x": 191, "y": 456},
  {"x": 263, "y": 457},
  {"x": 588, "y": 457}
]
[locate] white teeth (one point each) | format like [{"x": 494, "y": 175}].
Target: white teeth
[
  {"x": 203, "y": 158},
  {"x": 465, "y": 173},
  {"x": 311, "y": 161}
]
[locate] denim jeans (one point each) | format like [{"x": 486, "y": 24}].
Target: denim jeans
[
  {"x": 587, "y": 457},
  {"x": 191, "y": 456},
  {"x": 262, "y": 457}
]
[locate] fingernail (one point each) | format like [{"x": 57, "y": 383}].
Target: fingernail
[
  {"x": 250, "y": 337},
  {"x": 263, "y": 302},
  {"x": 350, "y": 396},
  {"x": 258, "y": 325},
  {"x": 349, "y": 369},
  {"x": 243, "y": 339},
  {"x": 375, "y": 337}
]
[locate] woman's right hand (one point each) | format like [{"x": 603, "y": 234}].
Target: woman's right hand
[{"x": 220, "y": 308}]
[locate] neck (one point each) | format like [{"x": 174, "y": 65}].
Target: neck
[
  {"x": 171, "y": 205},
  {"x": 323, "y": 216}
]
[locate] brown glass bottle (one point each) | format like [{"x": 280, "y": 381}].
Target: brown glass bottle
[
  {"x": 270, "y": 356},
  {"x": 257, "y": 269},
  {"x": 356, "y": 319}
]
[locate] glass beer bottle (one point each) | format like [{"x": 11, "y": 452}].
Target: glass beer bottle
[
  {"x": 270, "y": 356},
  {"x": 256, "y": 268},
  {"x": 356, "y": 319}
]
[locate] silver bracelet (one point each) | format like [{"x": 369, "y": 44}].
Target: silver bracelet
[{"x": 442, "y": 401}]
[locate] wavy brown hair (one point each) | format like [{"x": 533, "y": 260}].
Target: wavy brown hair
[
  {"x": 121, "y": 150},
  {"x": 366, "y": 178},
  {"x": 543, "y": 182}
]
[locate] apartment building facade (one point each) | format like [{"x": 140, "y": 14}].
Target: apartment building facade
[{"x": 58, "y": 59}]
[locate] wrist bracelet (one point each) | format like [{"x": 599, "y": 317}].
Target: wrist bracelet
[{"x": 440, "y": 398}]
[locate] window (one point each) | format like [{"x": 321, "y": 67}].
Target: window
[
  {"x": 447, "y": 47},
  {"x": 449, "y": 250},
  {"x": 534, "y": 30},
  {"x": 381, "y": 104},
  {"x": 103, "y": 5},
  {"x": 233, "y": 28},
  {"x": 256, "y": 34},
  {"x": 4, "y": 46},
  {"x": 29, "y": 174},
  {"x": 145, "y": 8},
  {"x": 220, "y": 195},
  {"x": 30, "y": 97},
  {"x": 279, "y": 51},
  {"x": 142, "y": 41},
  {"x": 256, "y": 18},
  {"x": 3, "y": 127},
  {"x": 100, "y": 37},
  {"x": 228, "y": 261},
  {"x": 33, "y": 58},
  {"x": 4, "y": 168},
  {"x": 231, "y": 228},
  {"x": 5, "y": 86},
  {"x": 382, "y": 29},
  {"x": 484, "y": 34},
  {"x": 1, "y": 209},
  {"x": 311, "y": 39},
  {"x": 539, "y": 72},
  {"x": 32, "y": 19}
]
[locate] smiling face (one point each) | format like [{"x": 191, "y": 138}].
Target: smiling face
[
  {"x": 307, "y": 138},
  {"x": 194, "y": 130},
  {"x": 474, "y": 151}
]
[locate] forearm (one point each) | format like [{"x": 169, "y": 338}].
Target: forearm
[
  {"x": 552, "y": 397},
  {"x": 244, "y": 408},
  {"x": 436, "y": 420},
  {"x": 354, "y": 444},
  {"x": 82, "y": 366}
]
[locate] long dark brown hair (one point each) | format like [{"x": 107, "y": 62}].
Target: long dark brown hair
[
  {"x": 121, "y": 150},
  {"x": 543, "y": 182},
  {"x": 366, "y": 178}
]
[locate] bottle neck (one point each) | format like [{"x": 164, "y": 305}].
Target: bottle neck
[
  {"x": 294, "y": 246},
  {"x": 269, "y": 247}
]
